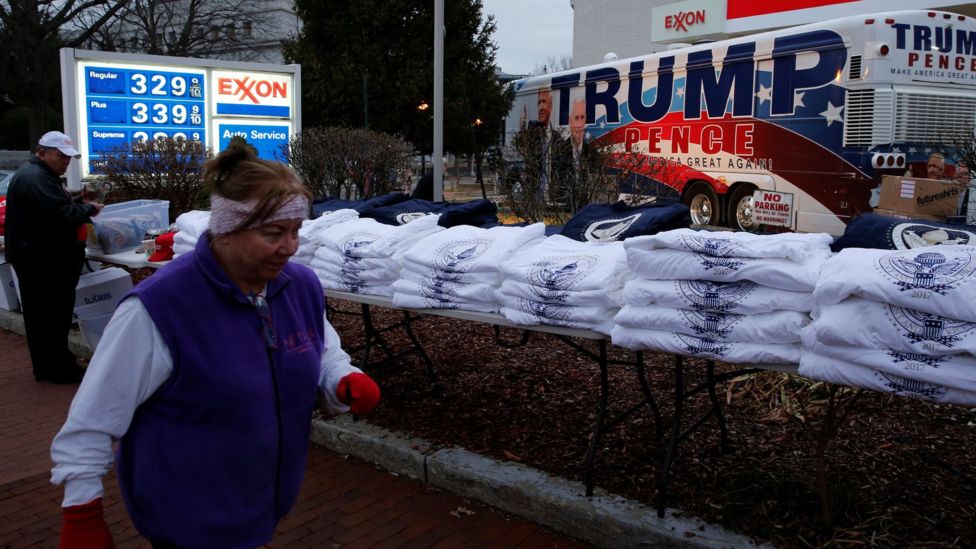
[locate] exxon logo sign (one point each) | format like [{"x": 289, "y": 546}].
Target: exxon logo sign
[
  {"x": 252, "y": 93},
  {"x": 250, "y": 89},
  {"x": 680, "y": 21}
]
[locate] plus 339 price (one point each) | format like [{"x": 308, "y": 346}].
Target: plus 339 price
[{"x": 166, "y": 113}]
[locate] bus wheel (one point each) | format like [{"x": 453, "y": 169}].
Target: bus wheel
[
  {"x": 740, "y": 209},
  {"x": 703, "y": 203}
]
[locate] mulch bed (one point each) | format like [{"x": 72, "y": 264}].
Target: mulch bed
[{"x": 901, "y": 472}]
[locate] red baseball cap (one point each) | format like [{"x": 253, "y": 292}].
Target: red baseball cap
[{"x": 164, "y": 247}]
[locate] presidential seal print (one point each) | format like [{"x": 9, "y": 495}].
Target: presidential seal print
[
  {"x": 704, "y": 295},
  {"x": 457, "y": 256},
  {"x": 930, "y": 271},
  {"x": 906, "y": 236},
  {"x": 351, "y": 249},
  {"x": 702, "y": 345},
  {"x": 711, "y": 324},
  {"x": 910, "y": 387},
  {"x": 715, "y": 253},
  {"x": 916, "y": 326},
  {"x": 609, "y": 230}
]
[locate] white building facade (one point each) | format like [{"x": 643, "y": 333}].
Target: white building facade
[{"x": 629, "y": 28}]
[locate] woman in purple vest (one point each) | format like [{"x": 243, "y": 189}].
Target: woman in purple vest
[{"x": 207, "y": 375}]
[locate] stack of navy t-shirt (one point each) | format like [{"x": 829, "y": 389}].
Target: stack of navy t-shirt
[
  {"x": 618, "y": 221},
  {"x": 331, "y": 204},
  {"x": 476, "y": 213},
  {"x": 889, "y": 233}
]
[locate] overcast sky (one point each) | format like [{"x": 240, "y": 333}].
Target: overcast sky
[{"x": 529, "y": 32}]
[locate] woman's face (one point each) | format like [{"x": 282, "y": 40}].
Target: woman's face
[{"x": 255, "y": 256}]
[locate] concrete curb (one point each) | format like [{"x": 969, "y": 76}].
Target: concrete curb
[{"x": 603, "y": 520}]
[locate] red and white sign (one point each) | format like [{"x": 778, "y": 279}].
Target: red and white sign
[
  {"x": 750, "y": 8},
  {"x": 681, "y": 21},
  {"x": 684, "y": 19},
  {"x": 755, "y": 16},
  {"x": 773, "y": 208},
  {"x": 247, "y": 93}
]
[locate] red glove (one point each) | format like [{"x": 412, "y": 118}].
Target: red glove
[
  {"x": 84, "y": 527},
  {"x": 359, "y": 392}
]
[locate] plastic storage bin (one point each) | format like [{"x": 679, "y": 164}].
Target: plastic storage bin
[
  {"x": 121, "y": 227},
  {"x": 91, "y": 323}
]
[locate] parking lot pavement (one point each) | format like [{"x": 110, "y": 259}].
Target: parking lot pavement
[{"x": 344, "y": 502}]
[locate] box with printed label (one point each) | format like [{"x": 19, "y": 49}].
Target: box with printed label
[
  {"x": 102, "y": 290},
  {"x": 908, "y": 216},
  {"x": 8, "y": 291},
  {"x": 914, "y": 195}
]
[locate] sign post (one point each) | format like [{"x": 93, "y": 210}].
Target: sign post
[{"x": 114, "y": 100}]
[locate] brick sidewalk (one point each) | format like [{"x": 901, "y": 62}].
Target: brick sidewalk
[{"x": 343, "y": 502}]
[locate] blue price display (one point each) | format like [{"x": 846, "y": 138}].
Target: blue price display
[{"x": 126, "y": 106}]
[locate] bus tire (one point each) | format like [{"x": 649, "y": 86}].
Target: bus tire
[
  {"x": 702, "y": 202},
  {"x": 740, "y": 214}
]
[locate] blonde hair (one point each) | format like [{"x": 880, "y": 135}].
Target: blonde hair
[{"x": 238, "y": 174}]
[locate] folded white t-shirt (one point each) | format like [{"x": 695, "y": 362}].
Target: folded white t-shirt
[
  {"x": 860, "y": 322},
  {"x": 355, "y": 286},
  {"x": 466, "y": 249},
  {"x": 785, "y": 274},
  {"x": 418, "y": 301},
  {"x": 528, "y": 319},
  {"x": 422, "y": 273},
  {"x": 735, "y": 352},
  {"x": 846, "y": 371},
  {"x": 561, "y": 263},
  {"x": 585, "y": 298},
  {"x": 562, "y": 312},
  {"x": 311, "y": 228},
  {"x": 193, "y": 223},
  {"x": 794, "y": 246},
  {"x": 335, "y": 270},
  {"x": 482, "y": 294},
  {"x": 773, "y": 327},
  {"x": 327, "y": 255},
  {"x": 939, "y": 280},
  {"x": 741, "y": 297}
]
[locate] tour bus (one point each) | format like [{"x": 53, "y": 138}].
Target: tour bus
[{"x": 790, "y": 128}]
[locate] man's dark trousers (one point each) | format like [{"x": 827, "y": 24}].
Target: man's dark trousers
[{"x": 47, "y": 297}]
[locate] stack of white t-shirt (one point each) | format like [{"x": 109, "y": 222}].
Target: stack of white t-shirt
[
  {"x": 189, "y": 226},
  {"x": 460, "y": 268},
  {"x": 364, "y": 255},
  {"x": 564, "y": 282},
  {"x": 308, "y": 234},
  {"x": 901, "y": 321},
  {"x": 735, "y": 297}
]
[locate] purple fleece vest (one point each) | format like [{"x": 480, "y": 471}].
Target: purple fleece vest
[{"x": 209, "y": 456}]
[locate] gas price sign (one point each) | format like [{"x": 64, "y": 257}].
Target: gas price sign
[
  {"x": 127, "y": 105},
  {"x": 114, "y": 101}
]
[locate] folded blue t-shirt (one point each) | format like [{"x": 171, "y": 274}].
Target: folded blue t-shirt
[
  {"x": 618, "y": 221},
  {"x": 889, "y": 233}
]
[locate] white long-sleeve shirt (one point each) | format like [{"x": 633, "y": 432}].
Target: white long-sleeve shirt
[{"x": 131, "y": 363}]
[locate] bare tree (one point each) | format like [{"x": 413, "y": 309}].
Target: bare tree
[
  {"x": 553, "y": 64},
  {"x": 350, "y": 162},
  {"x": 32, "y": 33},
  {"x": 193, "y": 28}
]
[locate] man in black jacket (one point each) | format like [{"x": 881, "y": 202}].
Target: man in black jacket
[{"x": 43, "y": 245}]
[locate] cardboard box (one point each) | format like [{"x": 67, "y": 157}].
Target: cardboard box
[
  {"x": 8, "y": 288},
  {"x": 102, "y": 290},
  {"x": 913, "y": 195},
  {"x": 908, "y": 216}
]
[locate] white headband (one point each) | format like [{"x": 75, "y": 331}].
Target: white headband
[{"x": 226, "y": 215}]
